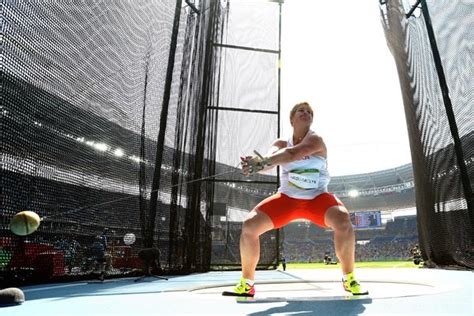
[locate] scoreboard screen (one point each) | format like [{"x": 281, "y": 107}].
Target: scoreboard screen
[{"x": 367, "y": 219}]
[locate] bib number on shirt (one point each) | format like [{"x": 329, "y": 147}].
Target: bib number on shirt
[{"x": 305, "y": 179}]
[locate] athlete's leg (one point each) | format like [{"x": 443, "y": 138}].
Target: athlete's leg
[
  {"x": 255, "y": 224},
  {"x": 328, "y": 210},
  {"x": 337, "y": 217}
]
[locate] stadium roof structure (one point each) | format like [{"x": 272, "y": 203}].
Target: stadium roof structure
[
  {"x": 388, "y": 189},
  {"x": 394, "y": 179}
]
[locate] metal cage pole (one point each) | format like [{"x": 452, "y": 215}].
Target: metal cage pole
[{"x": 148, "y": 240}]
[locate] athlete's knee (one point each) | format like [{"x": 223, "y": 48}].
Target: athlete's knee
[
  {"x": 255, "y": 225},
  {"x": 340, "y": 220},
  {"x": 250, "y": 228},
  {"x": 344, "y": 222}
]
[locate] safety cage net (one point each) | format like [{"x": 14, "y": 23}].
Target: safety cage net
[
  {"x": 431, "y": 42},
  {"x": 113, "y": 133}
]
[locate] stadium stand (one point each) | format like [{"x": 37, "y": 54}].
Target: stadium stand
[{"x": 305, "y": 242}]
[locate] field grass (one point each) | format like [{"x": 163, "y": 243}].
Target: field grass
[{"x": 372, "y": 264}]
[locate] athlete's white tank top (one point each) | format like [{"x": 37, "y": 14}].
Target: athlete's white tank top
[{"x": 306, "y": 178}]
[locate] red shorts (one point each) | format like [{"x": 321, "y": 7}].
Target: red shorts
[{"x": 282, "y": 209}]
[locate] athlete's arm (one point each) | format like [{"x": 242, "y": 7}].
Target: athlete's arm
[
  {"x": 252, "y": 164},
  {"x": 310, "y": 145},
  {"x": 277, "y": 145}
]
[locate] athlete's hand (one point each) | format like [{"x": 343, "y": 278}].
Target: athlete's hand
[
  {"x": 253, "y": 164},
  {"x": 248, "y": 164}
]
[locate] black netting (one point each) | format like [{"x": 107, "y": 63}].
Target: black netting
[
  {"x": 103, "y": 118},
  {"x": 434, "y": 60},
  {"x": 247, "y": 116}
]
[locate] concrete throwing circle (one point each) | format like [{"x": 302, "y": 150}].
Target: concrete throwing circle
[{"x": 314, "y": 290}]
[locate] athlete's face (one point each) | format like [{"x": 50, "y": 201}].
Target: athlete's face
[{"x": 303, "y": 115}]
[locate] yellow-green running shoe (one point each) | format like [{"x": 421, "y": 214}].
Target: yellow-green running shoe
[
  {"x": 243, "y": 289},
  {"x": 351, "y": 285}
]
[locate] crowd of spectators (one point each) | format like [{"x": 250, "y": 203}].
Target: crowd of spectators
[
  {"x": 314, "y": 251},
  {"x": 304, "y": 242}
]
